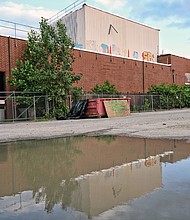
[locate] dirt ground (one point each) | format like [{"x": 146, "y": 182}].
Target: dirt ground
[{"x": 173, "y": 124}]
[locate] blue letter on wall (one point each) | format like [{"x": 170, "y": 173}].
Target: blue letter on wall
[{"x": 105, "y": 48}]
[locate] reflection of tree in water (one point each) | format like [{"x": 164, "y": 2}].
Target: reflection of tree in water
[
  {"x": 3, "y": 153},
  {"x": 48, "y": 165},
  {"x": 108, "y": 139}
]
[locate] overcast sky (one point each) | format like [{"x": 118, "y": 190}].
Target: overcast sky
[{"x": 170, "y": 16}]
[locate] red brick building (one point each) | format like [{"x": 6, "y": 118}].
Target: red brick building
[
  {"x": 128, "y": 75},
  {"x": 11, "y": 50}
]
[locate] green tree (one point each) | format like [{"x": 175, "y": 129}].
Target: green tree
[
  {"x": 46, "y": 66},
  {"x": 105, "y": 88}
]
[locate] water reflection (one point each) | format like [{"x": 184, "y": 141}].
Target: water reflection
[{"x": 84, "y": 174}]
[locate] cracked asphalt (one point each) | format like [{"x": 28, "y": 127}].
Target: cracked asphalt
[{"x": 172, "y": 124}]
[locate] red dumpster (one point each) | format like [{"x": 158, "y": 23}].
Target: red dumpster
[{"x": 96, "y": 107}]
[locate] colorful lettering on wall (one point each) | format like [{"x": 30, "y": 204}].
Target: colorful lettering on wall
[
  {"x": 105, "y": 48},
  {"x": 135, "y": 55},
  {"x": 91, "y": 45},
  {"x": 80, "y": 46},
  {"x": 124, "y": 52},
  {"x": 148, "y": 56},
  {"x": 114, "y": 49}
]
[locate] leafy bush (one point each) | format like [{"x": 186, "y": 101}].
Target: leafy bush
[
  {"x": 105, "y": 88},
  {"x": 171, "y": 96}
]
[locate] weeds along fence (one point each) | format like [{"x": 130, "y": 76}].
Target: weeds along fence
[{"x": 16, "y": 106}]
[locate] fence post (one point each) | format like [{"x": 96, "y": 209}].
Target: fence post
[
  {"x": 70, "y": 102},
  {"x": 143, "y": 103},
  {"x": 134, "y": 101},
  {"x": 14, "y": 106},
  {"x": 47, "y": 105},
  {"x": 34, "y": 101},
  {"x": 152, "y": 102}
]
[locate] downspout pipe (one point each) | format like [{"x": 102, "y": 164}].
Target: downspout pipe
[
  {"x": 143, "y": 77},
  {"x": 9, "y": 55},
  {"x": 173, "y": 76}
]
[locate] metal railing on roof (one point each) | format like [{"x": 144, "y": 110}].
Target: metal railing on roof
[
  {"x": 13, "y": 29},
  {"x": 17, "y": 30},
  {"x": 75, "y": 5}
]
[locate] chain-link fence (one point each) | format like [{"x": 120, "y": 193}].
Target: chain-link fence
[
  {"x": 16, "y": 106},
  {"x": 147, "y": 102},
  {"x": 158, "y": 102}
]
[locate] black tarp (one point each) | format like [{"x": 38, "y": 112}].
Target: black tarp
[{"x": 76, "y": 111}]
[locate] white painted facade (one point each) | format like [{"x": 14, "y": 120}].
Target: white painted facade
[{"x": 97, "y": 30}]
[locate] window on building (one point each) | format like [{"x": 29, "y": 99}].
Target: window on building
[{"x": 2, "y": 81}]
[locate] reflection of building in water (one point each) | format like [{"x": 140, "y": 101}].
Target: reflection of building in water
[
  {"x": 95, "y": 154},
  {"x": 181, "y": 151},
  {"x": 31, "y": 165},
  {"x": 106, "y": 189}
]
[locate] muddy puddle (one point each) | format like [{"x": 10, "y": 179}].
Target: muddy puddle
[{"x": 95, "y": 178}]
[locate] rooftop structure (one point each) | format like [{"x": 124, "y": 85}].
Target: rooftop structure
[{"x": 94, "y": 29}]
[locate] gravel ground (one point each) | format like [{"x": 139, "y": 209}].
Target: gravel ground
[{"x": 173, "y": 124}]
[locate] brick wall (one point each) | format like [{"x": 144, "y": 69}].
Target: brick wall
[
  {"x": 127, "y": 75},
  {"x": 180, "y": 66},
  {"x": 10, "y": 50}
]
